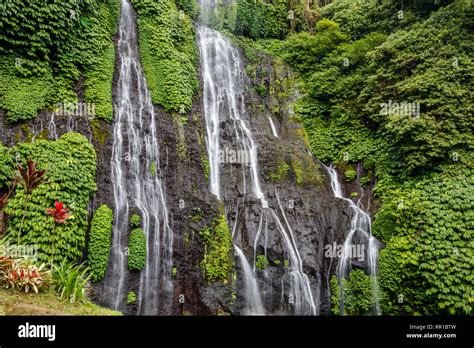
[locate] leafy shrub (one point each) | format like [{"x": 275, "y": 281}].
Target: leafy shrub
[
  {"x": 131, "y": 297},
  {"x": 136, "y": 250},
  {"x": 23, "y": 97},
  {"x": 23, "y": 276},
  {"x": 99, "y": 244},
  {"x": 305, "y": 51},
  {"x": 70, "y": 281},
  {"x": 350, "y": 175},
  {"x": 153, "y": 168},
  {"x": 100, "y": 72},
  {"x": 135, "y": 221},
  {"x": 99, "y": 83},
  {"x": 261, "y": 262},
  {"x": 217, "y": 245},
  {"x": 281, "y": 172}
]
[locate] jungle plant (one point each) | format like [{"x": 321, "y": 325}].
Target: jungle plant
[
  {"x": 131, "y": 297},
  {"x": 350, "y": 175},
  {"x": 99, "y": 243},
  {"x": 136, "y": 250},
  {"x": 217, "y": 262},
  {"x": 261, "y": 262},
  {"x": 70, "y": 178},
  {"x": 135, "y": 221},
  {"x": 30, "y": 178},
  {"x": 70, "y": 281},
  {"x": 20, "y": 275},
  {"x": 60, "y": 215}
]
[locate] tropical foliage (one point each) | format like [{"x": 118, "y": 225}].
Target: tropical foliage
[
  {"x": 136, "y": 250},
  {"x": 391, "y": 90},
  {"x": 17, "y": 274},
  {"x": 44, "y": 50},
  {"x": 99, "y": 242},
  {"x": 70, "y": 164},
  {"x": 217, "y": 262},
  {"x": 168, "y": 52},
  {"x": 70, "y": 281}
]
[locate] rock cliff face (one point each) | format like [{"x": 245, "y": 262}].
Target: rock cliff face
[{"x": 294, "y": 183}]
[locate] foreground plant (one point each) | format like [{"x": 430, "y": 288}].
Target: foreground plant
[
  {"x": 18, "y": 274},
  {"x": 70, "y": 281}
]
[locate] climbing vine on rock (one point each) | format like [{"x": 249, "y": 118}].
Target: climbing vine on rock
[
  {"x": 168, "y": 52},
  {"x": 217, "y": 261},
  {"x": 46, "y": 47},
  {"x": 99, "y": 243},
  {"x": 70, "y": 162},
  {"x": 136, "y": 250}
]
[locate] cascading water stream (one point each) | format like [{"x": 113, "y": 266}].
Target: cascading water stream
[
  {"x": 223, "y": 96},
  {"x": 272, "y": 125},
  {"x": 135, "y": 188},
  {"x": 361, "y": 223},
  {"x": 53, "y": 133}
]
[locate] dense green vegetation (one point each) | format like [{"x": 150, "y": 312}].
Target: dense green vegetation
[
  {"x": 135, "y": 220},
  {"x": 261, "y": 262},
  {"x": 385, "y": 84},
  {"x": 131, "y": 297},
  {"x": 217, "y": 262},
  {"x": 390, "y": 86},
  {"x": 44, "y": 50},
  {"x": 357, "y": 293},
  {"x": 99, "y": 242},
  {"x": 136, "y": 250},
  {"x": 168, "y": 52},
  {"x": 70, "y": 164}
]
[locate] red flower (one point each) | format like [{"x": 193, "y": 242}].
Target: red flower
[{"x": 59, "y": 213}]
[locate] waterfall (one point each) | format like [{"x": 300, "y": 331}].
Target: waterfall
[
  {"x": 252, "y": 295},
  {"x": 361, "y": 223},
  {"x": 272, "y": 125},
  {"x": 135, "y": 188},
  {"x": 223, "y": 101},
  {"x": 53, "y": 134}
]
